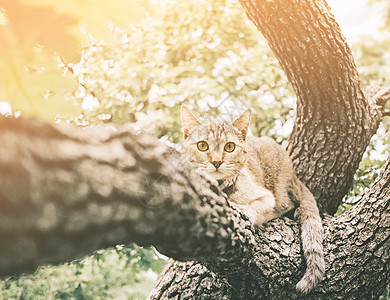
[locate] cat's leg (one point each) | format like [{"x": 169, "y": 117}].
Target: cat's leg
[
  {"x": 283, "y": 185},
  {"x": 283, "y": 201},
  {"x": 262, "y": 209}
]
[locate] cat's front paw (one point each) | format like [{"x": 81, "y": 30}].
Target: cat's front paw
[{"x": 248, "y": 211}]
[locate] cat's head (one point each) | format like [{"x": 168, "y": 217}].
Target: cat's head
[{"x": 215, "y": 147}]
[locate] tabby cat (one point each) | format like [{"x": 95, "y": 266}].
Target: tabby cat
[{"x": 257, "y": 174}]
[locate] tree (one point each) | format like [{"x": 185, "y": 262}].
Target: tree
[{"x": 65, "y": 192}]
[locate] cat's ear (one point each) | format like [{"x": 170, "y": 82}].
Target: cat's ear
[
  {"x": 188, "y": 121},
  {"x": 242, "y": 122}
]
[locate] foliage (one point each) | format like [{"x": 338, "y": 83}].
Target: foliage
[
  {"x": 30, "y": 79},
  {"x": 372, "y": 57},
  {"x": 386, "y": 294},
  {"x": 200, "y": 53},
  {"x": 387, "y": 8},
  {"x": 368, "y": 171},
  {"x": 116, "y": 273},
  {"x": 33, "y": 33}
]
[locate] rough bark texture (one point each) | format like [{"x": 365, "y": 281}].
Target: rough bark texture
[{"x": 65, "y": 192}]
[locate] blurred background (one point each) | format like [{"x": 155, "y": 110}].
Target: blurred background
[{"x": 136, "y": 61}]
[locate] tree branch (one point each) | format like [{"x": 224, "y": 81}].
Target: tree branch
[
  {"x": 378, "y": 98},
  {"x": 65, "y": 192}
]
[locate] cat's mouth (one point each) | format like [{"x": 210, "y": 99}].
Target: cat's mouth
[
  {"x": 216, "y": 171},
  {"x": 218, "y": 174}
]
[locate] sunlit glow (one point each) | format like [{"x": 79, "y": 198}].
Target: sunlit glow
[
  {"x": 363, "y": 19},
  {"x": 89, "y": 103},
  {"x": 3, "y": 17},
  {"x": 5, "y": 108}
]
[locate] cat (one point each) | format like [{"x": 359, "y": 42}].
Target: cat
[{"x": 256, "y": 174}]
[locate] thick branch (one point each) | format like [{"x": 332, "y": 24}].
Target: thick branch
[
  {"x": 378, "y": 99},
  {"x": 361, "y": 237},
  {"x": 66, "y": 192}
]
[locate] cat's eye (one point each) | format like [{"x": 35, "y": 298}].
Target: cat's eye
[
  {"x": 229, "y": 147},
  {"x": 203, "y": 146}
]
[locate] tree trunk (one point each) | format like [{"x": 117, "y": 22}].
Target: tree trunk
[{"x": 65, "y": 192}]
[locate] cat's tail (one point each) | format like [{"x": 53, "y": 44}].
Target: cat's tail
[{"x": 312, "y": 236}]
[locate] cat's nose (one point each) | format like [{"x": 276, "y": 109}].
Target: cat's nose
[{"x": 216, "y": 163}]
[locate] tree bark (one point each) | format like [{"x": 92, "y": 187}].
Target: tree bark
[{"x": 65, "y": 192}]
